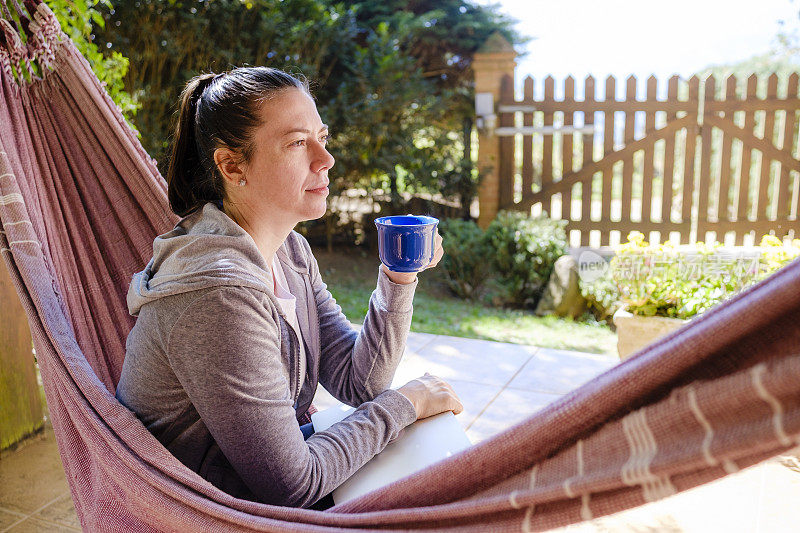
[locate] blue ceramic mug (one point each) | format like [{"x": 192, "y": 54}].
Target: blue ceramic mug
[{"x": 406, "y": 243}]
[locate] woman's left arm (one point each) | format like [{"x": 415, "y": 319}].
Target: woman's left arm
[{"x": 357, "y": 366}]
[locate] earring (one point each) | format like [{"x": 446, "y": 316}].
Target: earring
[{"x": 242, "y": 182}]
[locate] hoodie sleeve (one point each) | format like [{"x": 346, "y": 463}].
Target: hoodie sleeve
[
  {"x": 226, "y": 351},
  {"x": 355, "y": 367}
]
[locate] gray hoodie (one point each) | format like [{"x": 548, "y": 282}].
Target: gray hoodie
[{"x": 212, "y": 365}]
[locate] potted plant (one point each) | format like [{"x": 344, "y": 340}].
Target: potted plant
[{"x": 662, "y": 287}]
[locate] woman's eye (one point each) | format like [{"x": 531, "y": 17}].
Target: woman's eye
[{"x": 302, "y": 142}]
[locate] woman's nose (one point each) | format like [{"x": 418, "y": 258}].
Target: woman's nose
[{"x": 323, "y": 161}]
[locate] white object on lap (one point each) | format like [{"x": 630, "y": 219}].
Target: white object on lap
[{"x": 420, "y": 445}]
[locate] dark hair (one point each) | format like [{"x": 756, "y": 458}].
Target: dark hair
[{"x": 217, "y": 110}]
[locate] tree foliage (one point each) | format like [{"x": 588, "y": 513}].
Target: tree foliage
[
  {"x": 391, "y": 79},
  {"x": 440, "y": 37},
  {"x": 78, "y": 19}
]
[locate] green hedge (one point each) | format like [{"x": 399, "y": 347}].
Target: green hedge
[
  {"x": 512, "y": 260},
  {"x": 466, "y": 257}
]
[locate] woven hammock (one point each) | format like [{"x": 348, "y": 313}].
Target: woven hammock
[{"x": 80, "y": 205}]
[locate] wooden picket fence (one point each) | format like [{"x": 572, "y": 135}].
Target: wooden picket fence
[{"x": 700, "y": 164}]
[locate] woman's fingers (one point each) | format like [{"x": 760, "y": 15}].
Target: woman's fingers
[
  {"x": 438, "y": 250},
  {"x": 456, "y": 402},
  {"x": 431, "y": 395},
  {"x": 446, "y": 398}
]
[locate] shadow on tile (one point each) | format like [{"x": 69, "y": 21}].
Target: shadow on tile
[
  {"x": 560, "y": 371},
  {"x": 9, "y": 517},
  {"x": 33, "y": 476},
  {"x": 509, "y": 408},
  {"x": 61, "y": 511},
  {"x": 418, "y": 340},
  {"x": 35, "y": 525},
  {"x": 487, "y": 362}
]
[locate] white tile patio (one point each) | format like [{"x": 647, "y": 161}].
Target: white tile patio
[
  {"x": 559, "y": 371},
  {"x": 499, "y": 384},
  {"x": 509, "y": 407}
]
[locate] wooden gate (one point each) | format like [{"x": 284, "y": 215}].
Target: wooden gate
[{"x": 700, "y": 164}]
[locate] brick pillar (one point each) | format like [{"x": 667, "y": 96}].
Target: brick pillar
[{"x": 495, "y": 59}]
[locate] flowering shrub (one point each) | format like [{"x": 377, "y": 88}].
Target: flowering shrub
[
  {"x": 681, "y": 282},
  {"x": 775, "y": 255}
]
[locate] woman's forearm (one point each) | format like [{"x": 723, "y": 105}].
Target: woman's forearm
[{"x": 356, "y": 367}]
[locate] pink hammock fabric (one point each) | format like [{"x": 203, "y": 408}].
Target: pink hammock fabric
[{"x": 80, "y": 204}]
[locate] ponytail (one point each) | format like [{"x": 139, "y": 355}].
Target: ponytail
[
  {"x": 217, "y": 111},
  {"x": 187, "y": 180}
]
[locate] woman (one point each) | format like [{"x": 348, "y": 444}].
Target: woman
[{"x": 236, "y": 328}]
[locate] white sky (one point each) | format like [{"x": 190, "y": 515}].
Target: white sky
[{"x": 623, "y": 37}]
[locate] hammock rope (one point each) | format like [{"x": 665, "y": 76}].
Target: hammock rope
[{"x": 80, "y": 205}]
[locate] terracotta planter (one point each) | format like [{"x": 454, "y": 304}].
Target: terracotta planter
[{"x": 636, "y": 332}]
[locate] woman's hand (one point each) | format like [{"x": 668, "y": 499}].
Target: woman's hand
[
  {"x": 438, "y": 251},
  {"x": 403, "y": 278},
  {"x": 430, "y": 396}
]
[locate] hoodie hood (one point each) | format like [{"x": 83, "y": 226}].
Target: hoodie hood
[{"x": 205, "y": 249}]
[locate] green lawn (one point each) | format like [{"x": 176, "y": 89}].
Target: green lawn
[{"x": 351, "y": 275}]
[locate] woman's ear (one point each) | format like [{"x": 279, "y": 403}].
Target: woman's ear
[{"x": 226, "y": 161}]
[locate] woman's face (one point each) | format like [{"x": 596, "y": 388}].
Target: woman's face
[{"x": 287, "y": 175}]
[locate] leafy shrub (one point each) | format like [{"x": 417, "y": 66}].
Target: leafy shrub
[
  {"x": 682, "y": 282},
  {"x": 602, "y": 297},
  {"x": 524, "y": 250},
  {"x": 466, "y": 256}
]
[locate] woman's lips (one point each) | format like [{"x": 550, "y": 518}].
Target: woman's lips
[{"x": 319, "y": 190}]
